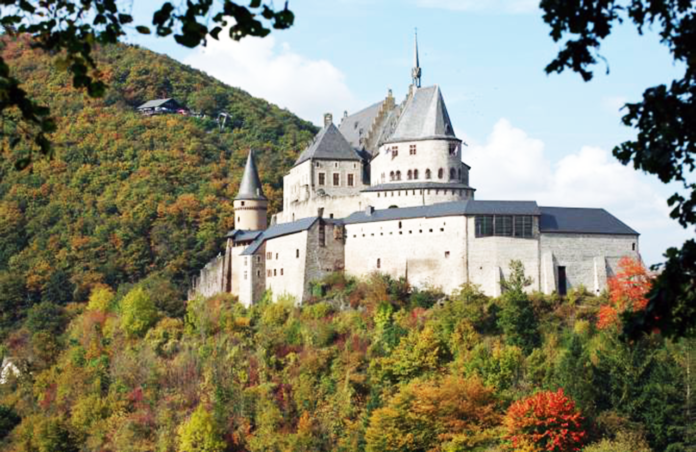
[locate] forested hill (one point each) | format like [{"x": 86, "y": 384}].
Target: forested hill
[{"x": 128, "y": 197}]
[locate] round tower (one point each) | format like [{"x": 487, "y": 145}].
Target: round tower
[{"x": 250, "y": 205}]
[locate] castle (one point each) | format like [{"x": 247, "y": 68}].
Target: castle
[{"x": 386, "y": 191}]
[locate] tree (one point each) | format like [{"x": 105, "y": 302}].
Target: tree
[
  {"x": 665, "y": 120},
  {"x": 200, "y": 433},
  {"x": 627, "y": 292},
  {"x": 517, "y": 318},
  {"x": 72, "y": 28},
  {"x": 8, "y": 421},
  {"x": 546, "y": 421},
  {"x": 437, "y": 415},
  {"x": 138, "y": 312}
]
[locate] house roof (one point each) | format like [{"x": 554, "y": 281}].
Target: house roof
[
  {"x": 240, "y": 235},
  {"x": 329, "y": 144},
  {"x": 581, "y": 221},
  {"x": 279, "y": 230},
  {"x": 424, "y": 116},
  {"x": 250, "y": 187},
  {"x": 357, "y": 125},
  {"x": 155, "y": 103},
  {"x": 416, "y": 186},
  {"x": 469, "y": 207}
]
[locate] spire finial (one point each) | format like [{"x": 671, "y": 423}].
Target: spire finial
[{"x": 416, "y": 71}]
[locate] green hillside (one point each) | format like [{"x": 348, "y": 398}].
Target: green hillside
[{"x": 128, "y": 196}]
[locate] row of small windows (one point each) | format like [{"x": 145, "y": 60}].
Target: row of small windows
[
  {"x": 412, "y": 149},
  {"x": 455, "y": 191},
  {"x": 319, "y": 165},
  {"x": 269, "y": 256},
  {"x": 336, "y": 179},
  {"x": 414, "y": 174},
  {"x": 420, "y": 231},
  {"x": 504, "y": 225}
]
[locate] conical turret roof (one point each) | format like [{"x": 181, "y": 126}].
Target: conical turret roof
[
  {"x": 424, "y": 117},
  {"x": 250, "y": 188}
]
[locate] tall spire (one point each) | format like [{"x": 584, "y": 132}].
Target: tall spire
[
  {"x": 416, "y": 71},
  {"x": 250, "y": 188}
]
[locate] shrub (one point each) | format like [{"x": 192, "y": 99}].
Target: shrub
[
  {"x": 200, "y": 433},
  {"x": 546, "y": 421}
]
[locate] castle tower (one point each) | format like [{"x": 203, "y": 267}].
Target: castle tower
[{"x": 250, "y": 205}]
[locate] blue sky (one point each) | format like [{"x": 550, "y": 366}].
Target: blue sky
[{"x": 530, "y": 136}]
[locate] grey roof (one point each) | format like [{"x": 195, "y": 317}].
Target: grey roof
[
  {"x": 469, "y": 207},
  {"x": 155, "y": 103},
  {"x": 424, "y": 117},
  {"x": 357, "y": 125},
  {"x": 279, "y": 230},
  {"x": 329, "y": 144},
  {"x": 581, "y": 221},
  {"x": 240, "y": 235},
  {"x": 417, "y": 186},
  {"x": 250, "y": 187}
]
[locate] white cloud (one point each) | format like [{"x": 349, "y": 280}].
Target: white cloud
[
  {"x": 488, "y": 6},
  {"x": 276, "y": 73},
  {"x": 512, "y": 165}
]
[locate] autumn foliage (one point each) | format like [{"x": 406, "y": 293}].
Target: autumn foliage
[
  {"x": 547, "y": 421},
  {"x": 627, "y": 291}
]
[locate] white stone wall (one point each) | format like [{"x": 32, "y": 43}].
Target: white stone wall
[
  {"x": 430, "y": 154},
  {"x": 432, "y": 249},
  {"x": 414, "y": 197},
  {"x": 334, "y": 207},
  {"x": 489, "y": 258},
  {"x": 588, "y": 258},
  {"x": 285, "y": 271},
  {"x": 302, "y": 194},
  {"x": 252, "y": 284}
]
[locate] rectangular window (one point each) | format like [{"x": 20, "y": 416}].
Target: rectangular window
[
  {"x": 336, "y": 179},
  {"x": 395, "y": 151},
  {"x": 484, "y": 225},
  {"x": 322, "y": 178},
  {"x": 281, "y": 272},
  {"x": 322, "y": 235},
  {"x": 412, "y": 149},
  {"x": 268, "y": 273},
  {"x": 258, "y": 273},
  {"x": 523, "y": 226},
  {"x": 351, "y": 180},
  {"x": 245, "y": 275},
  {"x": 562, "y": 281},
  {"x": 297, "y": 253},
  {"x": 453, "y": 148},
  {"x": 503, "y": 225},
  {"x": 275, "y": 272},
  {"x": 269, "y": 256}
]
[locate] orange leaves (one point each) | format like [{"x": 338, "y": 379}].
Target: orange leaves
[
  {"x": 546, "y": 421},
  {"x": 628, "y": 290}
]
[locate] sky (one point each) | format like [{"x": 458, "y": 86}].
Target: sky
[{"x": 529, "y": 136}]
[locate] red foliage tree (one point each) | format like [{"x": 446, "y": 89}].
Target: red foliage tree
[
  {"x": 546, "y": 421},
  {"x": 627, "y": 290}
]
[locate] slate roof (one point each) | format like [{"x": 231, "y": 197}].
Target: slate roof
[
  {"x": 581, "y": 221},
  {"x": 279, "y": 230},
  {"x": 240, "y": 235},
  {"x": 329, "y": 144},
  {"x": 424, "y": 117},
  {"x": 250, "y": 188},
  {"x": 417, "y": 186},
  {"x": 351, "y": 126},
  {"x": 469, "y": 207},
  {"x": 156, "y": 103}
]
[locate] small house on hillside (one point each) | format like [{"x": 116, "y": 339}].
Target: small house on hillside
[
  {"x": 8, "y": 370},
  {"x": 162, "y": 106}
]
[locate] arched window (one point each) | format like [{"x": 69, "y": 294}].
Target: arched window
[
  {"x": 415, "y": 174},
  {"x": 460, "y": 174},
  {"x": 379, "y": 263},
  {"x": 440, "y": 173},
  {"x": 409, "y": 175},
  {"x": 428, "y": 174},
  {"x": 452, "y": 173},
  {"x": 391, "y": 176},
  {"x": 398, "y": 175}
]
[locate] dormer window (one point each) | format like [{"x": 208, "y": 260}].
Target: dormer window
[
  {"x": 453, "y": 148},
  {"x": 395, "y": 151}
]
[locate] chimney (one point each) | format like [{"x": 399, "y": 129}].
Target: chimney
[
  {"x": 320, "y": 212},
  {"x": 369, "y": 210},
  {"x": 328, "y": 119}
]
